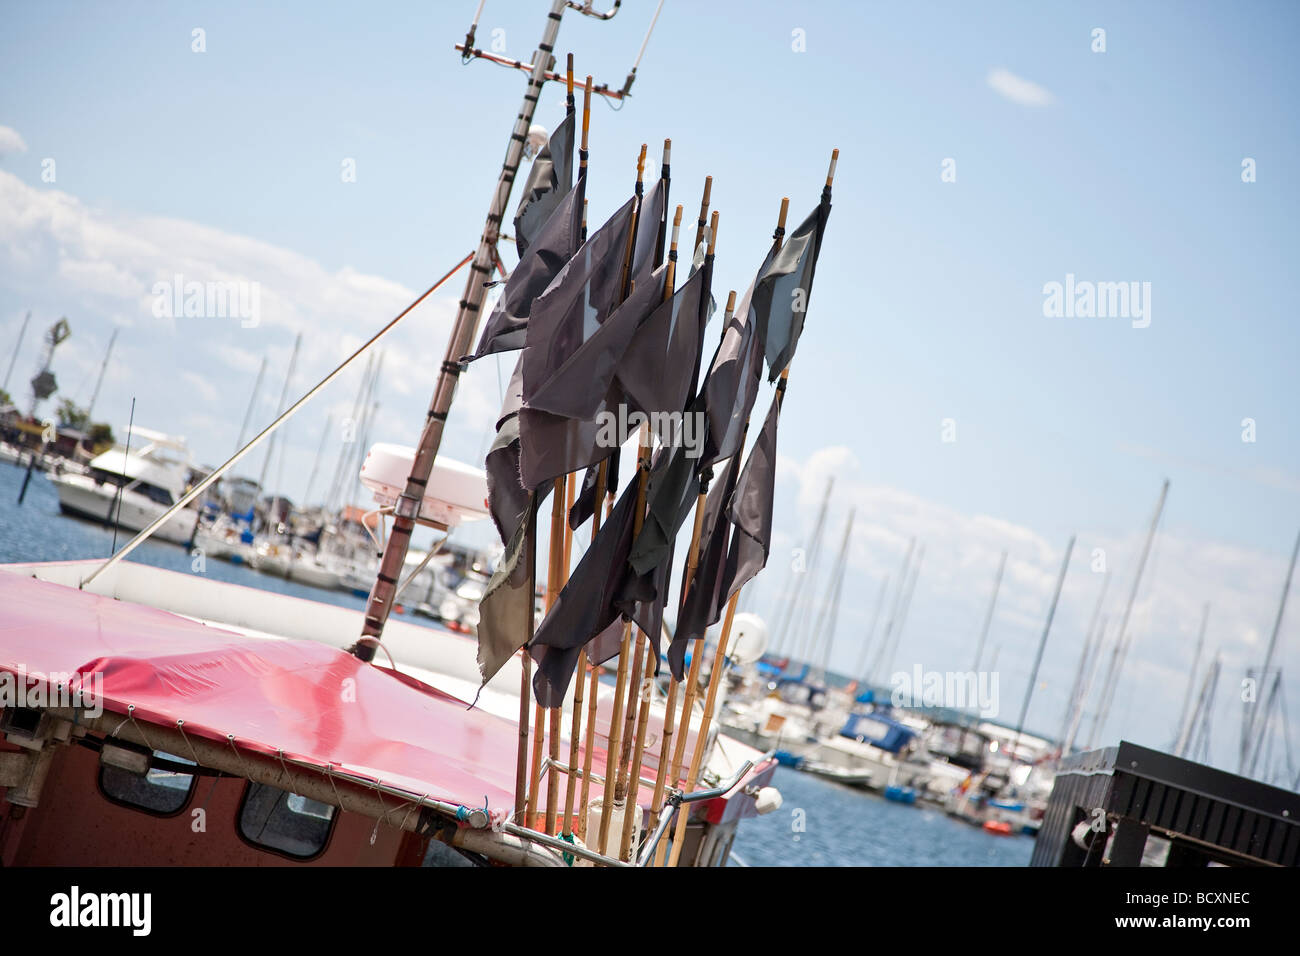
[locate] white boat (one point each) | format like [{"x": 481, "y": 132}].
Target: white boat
[
  {"x": 296, "y": 564},
  {"x": 133, "y": 488}
]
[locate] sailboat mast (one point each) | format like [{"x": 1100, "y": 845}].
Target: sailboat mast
[
  {"x": 1249, "y": 730},
  {"x": 893, "y": 611},
  {"x": 279, "y": 410},
  {"x": 988, "y": 617},
  {"x": 1042, "y": 645},
  {"x": 896, "y": 632},
  {"x": 407, "y": 509},
  {"x": 252, "y": 403},
  {"x": 794, "y": 595},
  {"x": 1191, "y": 675},
  {"x": 860, "y": 670},
  {"x": 94, "y": 397},
  {"x": 13, "y": 358},
  {"x": 1121, "y": 638},
  {"x": 1082, "y": 677},
  {"x": 830, "y": 608}
]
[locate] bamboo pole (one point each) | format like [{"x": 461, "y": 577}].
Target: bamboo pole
[
  {"x": 554, "y": 581},
  {"x": 522, "y": 783},
  {"x": 646, "y": 694},
  {"x": 697, "y": 757},
  {"x": 630, "y": 649},
  {"x": 553, "y": 567},
  {"x": 704, "y": 214},
  {"x": 624, "y": 650},
  {"x": 602, "y": 473},
  {"x": 688, "y": 576},
  {"x": 693, "y": 675},
  {"x": 720, "y": 657}
]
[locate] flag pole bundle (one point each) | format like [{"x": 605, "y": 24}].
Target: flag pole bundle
[
  {"x": 780, "y": 320},
  {"x": 604, "y": 330}
]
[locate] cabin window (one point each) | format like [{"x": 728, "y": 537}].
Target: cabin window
[
  {"x": 160, "y": 791},
  {"x": 286, "y": 823},
  {"x": 155, "y": 494}
]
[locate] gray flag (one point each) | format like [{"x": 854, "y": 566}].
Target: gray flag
[
  {"x": 575, "y": 388},
  {"x": 559, "y": 239},
  {"x": 658, "y": 370},
  {"x": 549, "y": 181},
  {"x": 703, "y": 603},
  {"x": 751, "y": 506},
  {"x": 734, "y": 375},
  {"x": 580, "y": 297},
  {"x": 781, "y": 297},
  {"x": 586, "y": 604},
  {"x": 649, "y": 221},
  {"x": 506, "y": 605}
]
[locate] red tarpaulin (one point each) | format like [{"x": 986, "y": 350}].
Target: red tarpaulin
[{"x": 315, "y": 703}]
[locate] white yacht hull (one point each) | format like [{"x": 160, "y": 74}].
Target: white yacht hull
[{"x": 80, "y": 496}]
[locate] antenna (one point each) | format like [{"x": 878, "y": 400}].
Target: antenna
[{"x": 115, "y": 512}]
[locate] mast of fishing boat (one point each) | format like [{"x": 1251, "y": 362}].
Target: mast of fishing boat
[{"x": 407, "y": 508}]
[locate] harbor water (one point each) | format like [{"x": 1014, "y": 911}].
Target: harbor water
[{"x": 819, "y": 824}]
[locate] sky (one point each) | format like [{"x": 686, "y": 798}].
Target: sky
[{"x": 986, "y": 152}]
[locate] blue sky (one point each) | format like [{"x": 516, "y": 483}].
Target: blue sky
[{"x": 1115, "y": 166}]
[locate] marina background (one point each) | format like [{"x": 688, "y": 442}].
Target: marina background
[
  {"x": 820, "y": 824},
  {"x": 1122, "y": 165}
]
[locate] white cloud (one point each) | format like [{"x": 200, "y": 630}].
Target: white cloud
[
  {"x": 11, "y": 142},
  {"x": 59, "y": 256},
  {"x": 952, "y": 592},
  {"x": 1017, "y": 89}
]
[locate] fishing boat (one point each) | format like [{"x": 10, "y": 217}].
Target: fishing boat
[
  {"x": 130, "y": 487},
  {"x": 327, "y": 735},
  {"x": 201, "y": 695}
]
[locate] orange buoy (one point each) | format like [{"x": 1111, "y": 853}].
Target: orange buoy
[{"x": 1000, "y": 827}]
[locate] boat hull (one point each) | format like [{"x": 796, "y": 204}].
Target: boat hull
[{"x": 81, "y": 497}]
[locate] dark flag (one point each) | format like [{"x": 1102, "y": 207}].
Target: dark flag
[
  {"x": 548, "y": 182},
  {"x": 584, "y": 506},
  {"x": 581, "y": 296},
  {"x": 507, "y": 497},
  {"x": 575, "y": 387},
  {"x": 781, "y": 296},
  {"x": 660, "y": 368},
  {"x": 507, "y": 600},
  {"x": 705, "y": 598},
  {"x": 649, "y": 226},
  {"x": 569, "y": 315},
  {"x": 552, "y": 445},
  {"x": 732, "y": 384},
  {"x": 556, "y": 244},
  {"x": 586, "y": 605},
  {"x": 672, "y": 490},
  {"x": 751, "y": 506},
  {"x": 506, "y": 604}
]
